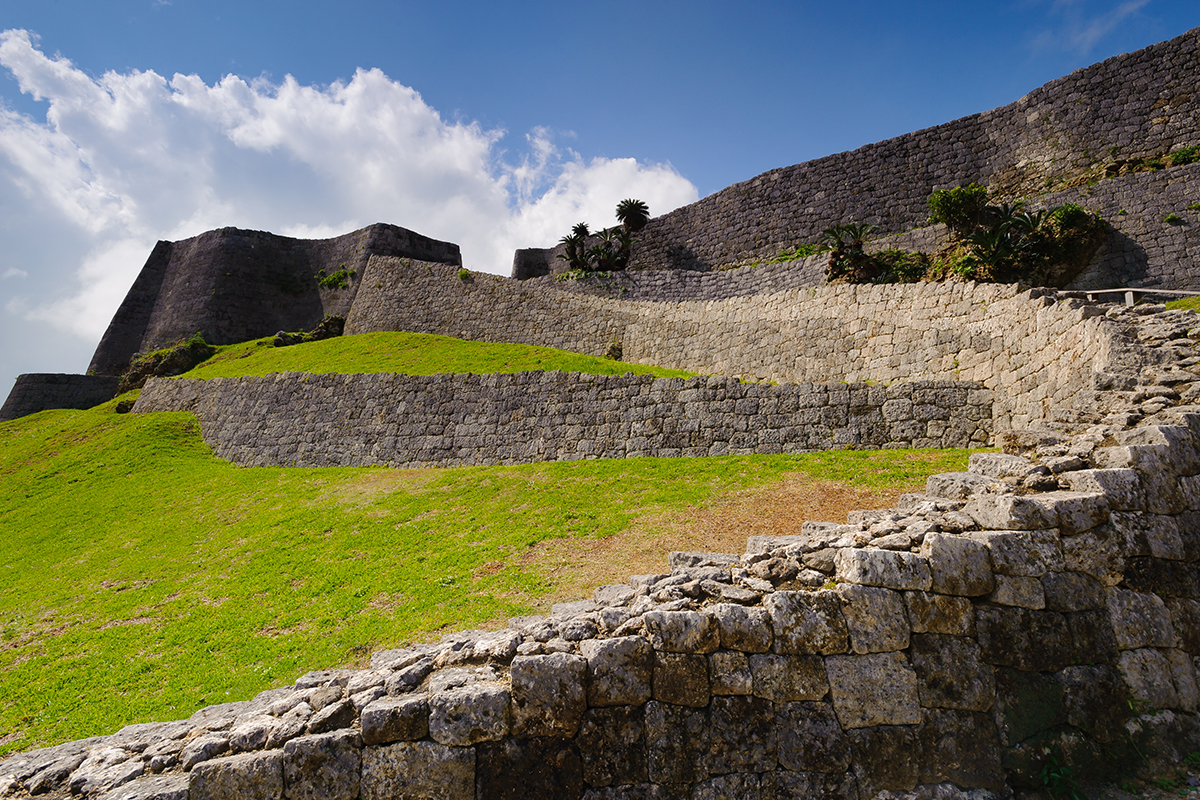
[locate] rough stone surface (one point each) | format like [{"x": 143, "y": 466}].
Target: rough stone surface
[
  {"x": 248, "y": 776},
  {"x": 877, "y": 689},
  {"x": 475, "y": 713},
  {"x": 875, "y": 618},
  {"x": 418, "y": 770}
]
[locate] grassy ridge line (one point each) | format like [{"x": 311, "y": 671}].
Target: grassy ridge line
[
  {"x": 408, "y": 354},
  {"x": 143, "y": 578}
]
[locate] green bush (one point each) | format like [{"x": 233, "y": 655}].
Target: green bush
[
  {"x": 959, "y": 208},
  {"x": 337, "y": 280},
  {"x": 1184, "y": 155},
  {"x": 1172, "y": 219}
]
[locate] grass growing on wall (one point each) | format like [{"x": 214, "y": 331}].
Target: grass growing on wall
[
  {"x": 407, "y": 353},
  {"x": 1186, "y": 303},
  {"x": 143, "y": 578}
]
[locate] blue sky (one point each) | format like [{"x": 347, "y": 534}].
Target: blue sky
[{"x": 495, "y": 125}]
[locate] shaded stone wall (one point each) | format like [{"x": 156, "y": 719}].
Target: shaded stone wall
[
  {"x": 449, "y": 420},
  {"x": 34, "y": 392},
  {"x": 1131, "y": 106},
  {"x": 233, "y": 285}
]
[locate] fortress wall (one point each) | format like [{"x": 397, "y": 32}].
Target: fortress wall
[
  {"x": 947, "y": 646},
  {"x": 1131, "y": 106},
  {"x": 233, "y": 285},
  {"x": 1038, "y": 354},
  {"x": 450, "y": 420},
  {"x": 34, "y": 392}
]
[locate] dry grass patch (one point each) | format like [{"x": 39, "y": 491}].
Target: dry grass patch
[{"x": 576, "y": 567}]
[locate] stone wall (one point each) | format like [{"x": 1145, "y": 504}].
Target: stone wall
[
  {"x": 444, "y": 420},
  {"x": 34, "y": 392},
  {"x": 1045, "y": 602},
  {"x": 1136, "y": 105},
  {"x": 233, "y": 285},
  {"x": 1035, "y": 352}
]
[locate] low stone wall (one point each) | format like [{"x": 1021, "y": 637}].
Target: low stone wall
[
  {"x": 34, "y": 392},
  {"x": 442, "y": 420}
]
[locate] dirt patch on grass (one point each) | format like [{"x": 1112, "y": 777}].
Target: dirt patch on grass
[
  {"x": 376, "y": 483},
  {"x": 577, "y": 566}
]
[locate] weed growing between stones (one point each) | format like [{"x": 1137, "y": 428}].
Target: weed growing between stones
[
  {"x": 336, "y": 280},
  {"x": 1173, "y": 219}
]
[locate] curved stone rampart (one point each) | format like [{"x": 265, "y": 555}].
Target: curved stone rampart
[
  {"x": 34, "y": 392},
  {"x": 232, "y": 285},
  {"x": 450, "y": 420},
  {"x": 1132, "y": 106}
]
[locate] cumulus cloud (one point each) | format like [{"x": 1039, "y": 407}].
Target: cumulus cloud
[
  {"x": 125, "y": 159},
  {"x": 13, "y": 272}
]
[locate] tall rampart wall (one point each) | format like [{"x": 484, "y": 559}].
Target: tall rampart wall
[
  {"x": 449, "y": 420},
  {"x": 233, "y": 285},
  {"x": 1132, "y": 106},
  {"x": 34, "y": 392}
]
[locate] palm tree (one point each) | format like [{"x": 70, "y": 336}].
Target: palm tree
[{"x": 633, "y": 214}]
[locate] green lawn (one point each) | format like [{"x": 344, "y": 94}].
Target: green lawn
[
  {"x": 407, "y": 353},
  {"x": 144, "y": 578}
]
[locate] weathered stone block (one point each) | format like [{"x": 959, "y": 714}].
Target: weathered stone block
[
  {"x": 1022, "y": 592},
  {"x": 1139, "y": 620},
  {"x": 960, "y": 747},
  {"x": 784, "y": 784},
  {"x": 1162, "y": 577},
  {"x": 811, "y": 740},
  {"x": 1023, "y": 553},
  {"x": 1183, "y": 676},
  {"x": 887, "y": 568},
  {"x": 620, "y": 670},
  {"x": 742, "y": 735},
  {"x": 1024, "y": 638},
  {"x": 1122, "y": 487},
  {"x": 681, "y": 679},
  {"x": 885, "y": 759},
  {"x": 957, "y": 565},
  {"x": 1092, "y": 636},
  {"x": 677, "y": 740},
  {"x": 475, "y": 713},
  {"x": 1072, "y": 591},
  {"x": 1097, "y": 553},
  {"x": 736, "y": 786},
  {"x": 248, "y": 776},
  {"x": 955, "y": 485},
  {"x": 999, "y": 465},
  {"x": 951, "y": 673},
  {"x": 1145, "y": 534},
  {"x": 682, "y": 631},
  {"x": 1027, "y": 704},
  {"x": 396, "y": 719},
  {"x": 548, "y": 694},
  {"x": 1185, "y": 615},
  {"x": 742, "y": 628},
  {"x": 783, "y": 679},
  {"x": 1096, "y": 701},
  {"x": 807, "y": 622},
  {"x": 729, "y": 673},
  {"x": 1148, "y": 674},
  {"x": 938, "y": 613},
  {"x": 322, "y": 767},
  {"x": 875, "y": 618},
  {"x": 876, "y": 689},
  {"x": 150, "y": 787},
  {"x": 1010, "y": 512},
  {"x": 612, "y": 746},
  {"x": 424, "y": 770},
  {"x": 528, "y": 769}
]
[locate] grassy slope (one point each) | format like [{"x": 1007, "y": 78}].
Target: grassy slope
[
  {"x": 408, "y": 353},
  {"x": 144, "y": 578}
]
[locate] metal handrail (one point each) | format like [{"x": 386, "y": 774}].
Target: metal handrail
[{"x": 1131, "y": 295}]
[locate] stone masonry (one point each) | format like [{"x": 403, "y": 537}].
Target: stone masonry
[
  {"x": 34, "y": 392},
  {"x": 1046, "y": 600}
]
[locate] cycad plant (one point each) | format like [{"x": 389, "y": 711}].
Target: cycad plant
[{"x": 633, "y": 214}]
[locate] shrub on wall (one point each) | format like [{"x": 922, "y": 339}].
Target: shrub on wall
[{"x": 608, "y": 250}]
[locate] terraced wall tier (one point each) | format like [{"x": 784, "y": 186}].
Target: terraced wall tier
[
  {"x": 34, "y": 392},
  {"x": 1132, "y": 106},
  {"x": 442, "y": 420},
  {"x": 1036, "y": 353}
]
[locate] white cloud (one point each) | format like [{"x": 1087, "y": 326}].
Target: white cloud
[
  {"x": 125, "y": 159},
  {"x": 13, "y": 272},
  {"x": 1078, "y": 30}
]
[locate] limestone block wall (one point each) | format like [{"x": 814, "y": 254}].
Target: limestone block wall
[
  {"x": 1130, "y": 106},
  {"x": 1036, "y": 353},
  {"x": 1040, "y": 603},
  {"x": 443, "y": 420},
  {"x": 34, "y": 392},
  {"x": 233, "y": 285}
]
